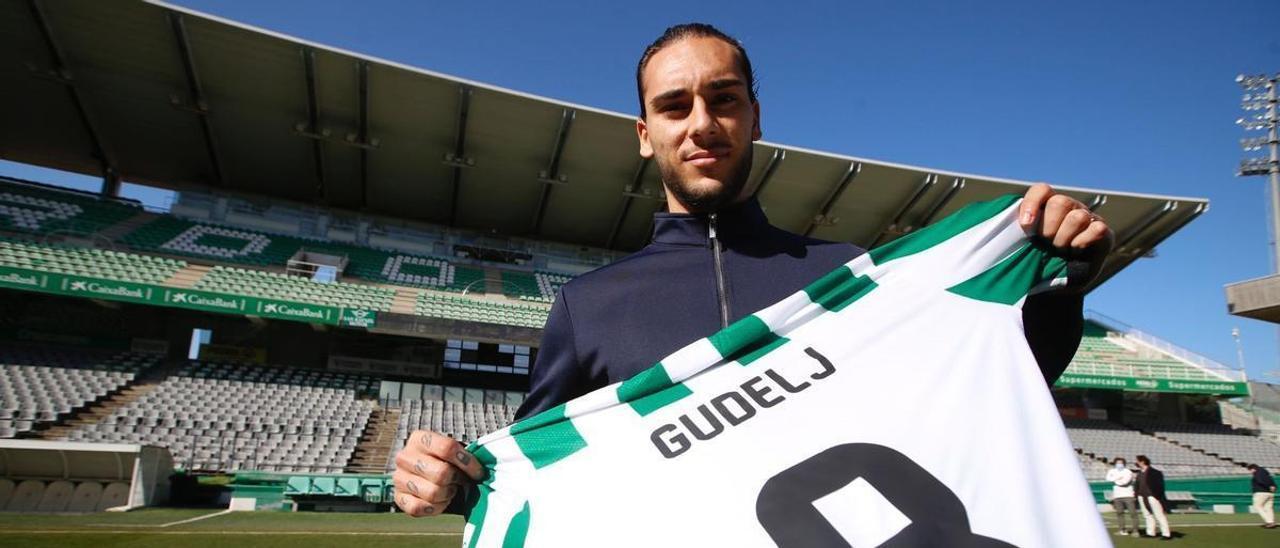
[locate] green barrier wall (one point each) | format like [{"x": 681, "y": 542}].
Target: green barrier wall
[{"x": 1208, "y": 491}]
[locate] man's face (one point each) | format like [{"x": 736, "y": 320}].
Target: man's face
[{"x": 699, "y": 123}]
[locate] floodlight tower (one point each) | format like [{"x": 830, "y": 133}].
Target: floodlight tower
[{"x": 1260, "y": 95}]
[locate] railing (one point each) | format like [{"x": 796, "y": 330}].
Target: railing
[{"x": 1209, "y": 365}]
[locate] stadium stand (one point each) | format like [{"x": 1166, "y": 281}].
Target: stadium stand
[
  {"x": 1094, "y": 469},
  {"x": 89, "y": 262},
  {"x": 228, "y": 416},
  {"x": 465, "y": 422},
  {"x": 1217, "y": 439},
  {"x": 172, "y": 235},
  {"x": 462, "y": 308},
  {"x": 45, "y": 385},
  {"x": 536, "y": 286},
  {"x": 520, "y": 285},
  {"x": 34, "y": 209},
  {"x": 139, "y": 268},
  {"x": 1109, "y": 353},
  {"x": 257, "y": 283},
  {"x": 1107, "y": 440}
]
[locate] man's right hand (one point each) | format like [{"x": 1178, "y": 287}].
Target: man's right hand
[{"x": 430, "y": 470}]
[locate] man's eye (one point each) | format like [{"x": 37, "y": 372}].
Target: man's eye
[{"x": 726, "y": 98}]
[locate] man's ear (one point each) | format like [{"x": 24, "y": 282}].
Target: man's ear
[
  {"x": 756, "y": 134},
  {"x": 642, "y": 133}
]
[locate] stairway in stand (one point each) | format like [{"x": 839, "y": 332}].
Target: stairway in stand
[
  {"x": 405, "y": 301},
  {"x": 374, "y": 450},
  {"x": 145, "y": 382},
  {"x": 188, "y": 276},
  {"x": 123, "y": 228}
]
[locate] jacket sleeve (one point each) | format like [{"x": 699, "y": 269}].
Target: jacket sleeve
[
  {"x": 557, "y": 375},
  {"x": 1053, "y": 323}
]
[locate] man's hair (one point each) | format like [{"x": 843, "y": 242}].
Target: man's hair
[
  {"x": 1251, "y": 466},
  {"x": 1144, "y": 460},
  {"x": 1119, "y": 459},
  {"x": 694, "y": 30}
]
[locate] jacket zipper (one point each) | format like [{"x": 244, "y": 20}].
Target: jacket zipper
[{"x": 715, "y": 258}]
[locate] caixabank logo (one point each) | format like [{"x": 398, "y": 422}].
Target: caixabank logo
[
  {"x": 205, "y": 301},
  {"x": 294, "y": 311},
  {"x": 108, "y": 289}
]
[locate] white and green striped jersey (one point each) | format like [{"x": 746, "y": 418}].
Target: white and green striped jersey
[{"x": 892, "y": 402}]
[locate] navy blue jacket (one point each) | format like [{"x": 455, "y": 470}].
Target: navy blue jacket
[
  {"x": 611, "y": 323},
  {"x": 1261, "y": 482}
]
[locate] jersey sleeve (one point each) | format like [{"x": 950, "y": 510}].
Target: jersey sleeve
[{"x": 979, "y": 252}]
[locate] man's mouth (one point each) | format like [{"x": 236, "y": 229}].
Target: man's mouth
[{"x": 703, "y": 158}]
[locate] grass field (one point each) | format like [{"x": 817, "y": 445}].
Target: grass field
[{"x": 159, "y": 528}]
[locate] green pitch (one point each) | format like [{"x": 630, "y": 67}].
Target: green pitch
[
  {"x": 1207, "y": 531},
  {"x": 160, "y": 528}
]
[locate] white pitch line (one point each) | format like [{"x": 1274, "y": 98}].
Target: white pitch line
[{"x": 170, "y": 524}]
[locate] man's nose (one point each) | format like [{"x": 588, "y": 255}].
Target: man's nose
[{"x": 701, "y": 122}]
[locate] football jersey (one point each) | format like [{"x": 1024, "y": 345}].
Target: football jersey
[{"x": 892, "y": 402}]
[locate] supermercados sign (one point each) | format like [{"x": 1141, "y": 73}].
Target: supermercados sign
[
  {"x": 1134, "y": 384},
  {"x": 193, "y": 299}
]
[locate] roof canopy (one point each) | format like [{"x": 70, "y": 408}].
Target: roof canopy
[{"x": 169, "y": 97}]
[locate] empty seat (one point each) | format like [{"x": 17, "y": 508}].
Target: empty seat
[
  {"x": 115, "y": 494},
  {"x": 57, "y": 495},
  {"x": 86, "y": 497},
  {"x": 26, "y": 496},
  {"x": 6, "y": 491}
]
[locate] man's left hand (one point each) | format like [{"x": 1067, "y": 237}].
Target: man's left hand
[{"x": 1074, "y": 231}]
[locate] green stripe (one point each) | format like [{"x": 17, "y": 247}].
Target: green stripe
[
  {"x": 746, "y": 340},
  {"x": 477, "y": 514},
  {"x": 518, "y": 529},
  {"x": 838, "y": 289},
  {"x": 968, "y": 217},
  {"x": 1009, "y": 281},
  {"x": 482, "y": 454},
  {"x": 651, "y": 390},
  {"x": 547, "y": 437}
]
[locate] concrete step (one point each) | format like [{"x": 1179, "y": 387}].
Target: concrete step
[
  {"x": 492, "y": 281},
  {"x": 123, "y": 228},
  {"x": 189, "y": 276},
  {"x": 105, "y": 406},
  {"x": 374, "y": 449},
  {"x": 405, "y": 300}
]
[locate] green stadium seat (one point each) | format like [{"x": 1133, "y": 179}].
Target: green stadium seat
[
  {"x": 31, "y": 209},
  {"x": 88, "y": 262},
  {"x": 171, "y": 235}
]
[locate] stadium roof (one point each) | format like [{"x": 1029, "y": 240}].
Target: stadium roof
[{"x": 166, "y": 96}]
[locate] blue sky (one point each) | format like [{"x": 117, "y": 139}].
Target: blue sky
[{"x": 1134, "y": 96}]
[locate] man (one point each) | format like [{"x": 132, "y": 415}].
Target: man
[
  {"x": 1264, "y": 495},
  {"x": 1151, "y": 498},
  {"x": 714, "y": 257},
  {"x": 1121, "y": 478}
]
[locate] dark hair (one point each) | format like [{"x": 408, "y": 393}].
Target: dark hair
[
  {"x": 694, "y": 30},
  {"x": 1144, "y": 460},
  {"x": 1251, "y": 466},
  {"x": 1119, "y": 459}
]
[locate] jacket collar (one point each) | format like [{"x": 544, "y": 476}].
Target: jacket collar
[{"x": 733, "y": 223}]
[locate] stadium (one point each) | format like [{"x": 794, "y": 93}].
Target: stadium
[{"x": 268, "y": 341}]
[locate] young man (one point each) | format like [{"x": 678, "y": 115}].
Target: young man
[
  {"x": 1264, "y": 495},
  {"x": 1151, "y": 498},
  {"x": 714, "y": 257},
  {"x": 1122, "y": 478}
]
